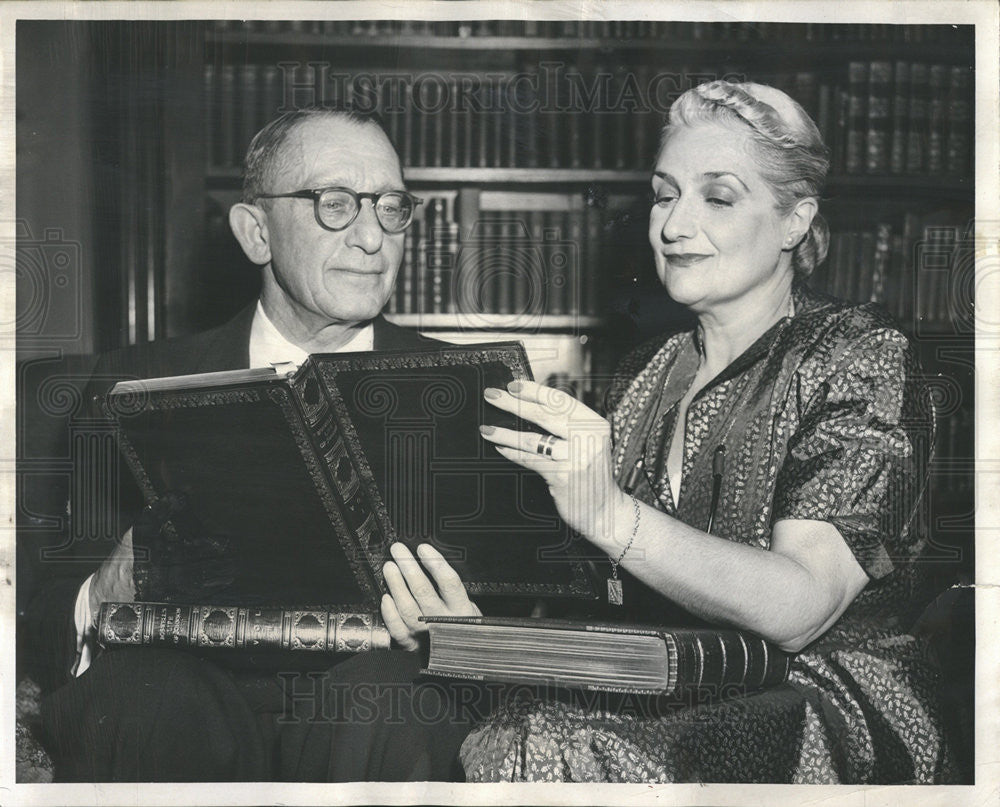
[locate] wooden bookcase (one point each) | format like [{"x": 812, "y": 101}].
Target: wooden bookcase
[
  {"x": 164, "y": 110},
  {"x": 555, "y": 138}
]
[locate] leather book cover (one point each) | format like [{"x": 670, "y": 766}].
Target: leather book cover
[
  {"x": 288, "y": 489},
  {"x": 410, "y": 424},
  {"x": 723, "y": 660},
  {"x": 240, "y": 507},
  {"x": 125, "y": 624}
]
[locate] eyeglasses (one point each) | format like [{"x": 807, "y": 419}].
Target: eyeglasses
[{"x": 337, "y": 208}]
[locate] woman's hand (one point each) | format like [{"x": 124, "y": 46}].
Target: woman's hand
[
  {"x": 575, "y": 461},
  {"x": 412, "y": 595}
]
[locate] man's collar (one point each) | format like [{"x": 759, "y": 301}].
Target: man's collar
[{"x": 268, "y": 346}]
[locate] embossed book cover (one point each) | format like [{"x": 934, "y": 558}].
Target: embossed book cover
[{"x": 294, "y": 485}]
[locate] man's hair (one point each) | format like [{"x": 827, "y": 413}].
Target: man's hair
[{"x": 263, "y": 159}]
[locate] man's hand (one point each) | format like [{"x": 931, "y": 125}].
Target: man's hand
[
  {"x": 412, "y": 594},
  {"x": 113, "y": 580}
]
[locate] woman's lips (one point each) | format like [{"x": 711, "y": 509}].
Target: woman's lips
[{"x": 685, "y": 259}]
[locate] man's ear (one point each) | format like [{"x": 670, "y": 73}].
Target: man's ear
[
  {"x": 249, "y": 225},
  {"x": 799, "y": 221}
]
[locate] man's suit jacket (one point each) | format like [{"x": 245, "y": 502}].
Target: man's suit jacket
[
  {"x": 48, "y": 646},
  {"x": 226, "y": 347}
]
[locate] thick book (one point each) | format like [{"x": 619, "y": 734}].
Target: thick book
[
  {"x": 900, "y": 117},
  {"x": 916, "y": 141},
  {"x": 439, "y": 256},
  {"x": 958, "y": 158},
  {"x": 130, "y": 624},
  {"x": 406, "y": 101},
  {"x": 879, "y": 113},
  {"x": 295, "y": 485},
  {"x": 501, "y": 134},
  {"x": 454, "y": 118},
  {"x": 937, "y": 117},
  {"x": 409, "y": 273},
  {"x": 602, "y": 656},
  {"x": 422, "y": 104},
  {"x": 592, "y": 287},
  {"x": 880, "y": 276},
  {"x": 481, "y": 122},
  {"x": 857, "y": 113}
]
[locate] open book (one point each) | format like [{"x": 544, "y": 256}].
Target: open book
[{"x": 296, "y": 484}]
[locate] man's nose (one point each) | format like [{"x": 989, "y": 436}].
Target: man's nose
[{"x": 365, "y": 232}]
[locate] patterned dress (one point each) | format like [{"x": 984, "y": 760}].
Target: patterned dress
[{"x": 825, "y": 417}]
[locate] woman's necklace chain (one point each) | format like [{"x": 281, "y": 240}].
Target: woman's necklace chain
[{"x": 646, "y": 391}]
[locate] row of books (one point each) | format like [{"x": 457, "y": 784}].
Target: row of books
[
  {"x": 880, "y": 118},
  {"x": 519, "y": 263},
  {"x": 891, "y": 118},
  {"x": 921, "y": 270},
  {"x": 549, "y": 119},
  {"x": 607, "y": 29}
]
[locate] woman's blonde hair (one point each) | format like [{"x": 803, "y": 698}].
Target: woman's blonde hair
[{"x": 788, "y": 148}]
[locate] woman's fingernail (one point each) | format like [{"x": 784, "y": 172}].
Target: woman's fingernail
[
  {"x": 514, "y": 386},
  {"x": 491, "y": 393},
  {"x": 486, "y": 430}
]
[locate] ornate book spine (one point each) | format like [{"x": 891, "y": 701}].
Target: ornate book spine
[
  {"x": 880, "y": 292},
  {"x": 877, "y": 138},
  {"x": 959, "y": 118},
  {"x": 369, "y": 542},
  {"x": 900, "y": 117},
  {"x": 231, "y": 627},
  {"x": 724, "y": 660},
  {"x": 937, "y": 124},
  {"x": 916, "y": 141},
  {"x": 857, "y": 97}
]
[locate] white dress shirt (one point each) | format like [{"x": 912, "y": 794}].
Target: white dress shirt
[{"x": 267, "y": 348}]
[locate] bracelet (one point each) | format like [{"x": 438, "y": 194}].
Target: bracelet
[{"x": 615, "y": 594}]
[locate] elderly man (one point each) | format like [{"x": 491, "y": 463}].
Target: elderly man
[{"x": 323, "y": 214}]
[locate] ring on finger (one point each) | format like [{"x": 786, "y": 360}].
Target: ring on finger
[{"x": 545, "y": 445}]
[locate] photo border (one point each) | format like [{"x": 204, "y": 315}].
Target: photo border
[{"x": 982, "y": 13}]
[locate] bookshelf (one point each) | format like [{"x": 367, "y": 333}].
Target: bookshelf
[
  {"x": 534, "y": 138},
  {"x": 574, "y": 107},
  {"x": 947, "y": 187}
]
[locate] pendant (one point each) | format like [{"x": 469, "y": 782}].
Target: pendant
[{"x": 615, "y": 591}]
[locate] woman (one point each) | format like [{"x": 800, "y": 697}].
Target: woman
[{"x": 811, "y": 408}]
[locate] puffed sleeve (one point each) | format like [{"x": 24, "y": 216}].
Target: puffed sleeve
[{"x": 859, "y": 456}]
